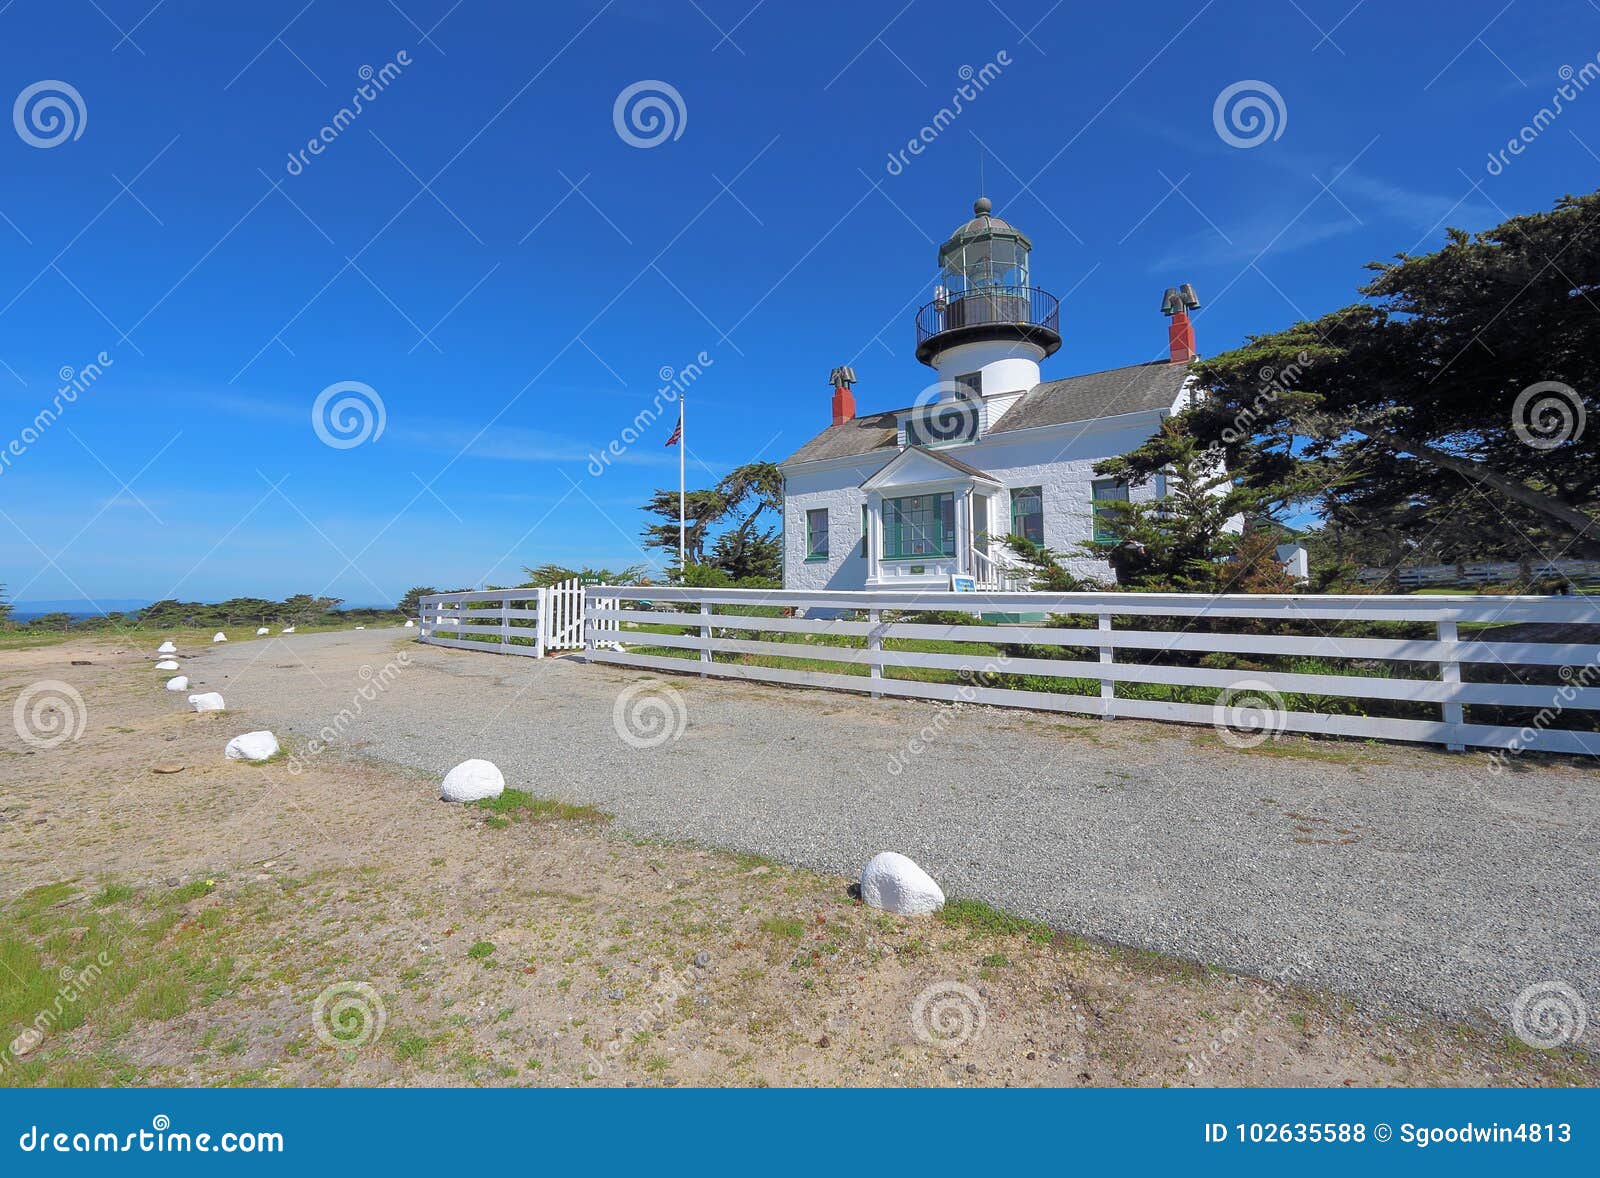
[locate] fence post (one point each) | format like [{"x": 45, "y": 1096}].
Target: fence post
[
  {"x": 875, "y": 642},
  {"x": 1450, "y": 672},
  {"x": 505, "y": 624},
  {"x": 1108, "y": 687},
  {"x": 584, "y": 632},
  {"x": 705, "y": 637},
  {"x": 542, "y": 622}
]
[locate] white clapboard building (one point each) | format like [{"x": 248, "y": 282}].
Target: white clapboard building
[{"x": 907, "y": 498}]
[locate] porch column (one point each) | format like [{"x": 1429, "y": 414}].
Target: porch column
[
  {"x": 874, "y": 534},
  {"x": 964, "y": 560}
]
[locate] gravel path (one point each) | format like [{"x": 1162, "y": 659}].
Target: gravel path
[{"x": 1405, "y": 876}]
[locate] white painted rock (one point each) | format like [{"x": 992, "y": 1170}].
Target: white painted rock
[
  {"x": 287, "y": 630},
  {"x": 178, "y": 683},
  {"x": 472, "y": 781},
  {"x": 167, "y": 665},
  {"x": 260, "y": 630},
  {"x": 167, "y": 648},
  {"x": 896, "y": 884},
  {"x": 208, "y": 701},
  {"x": 252, "y": 746},
  {"x": 409, "y": 623},
  {"x": 360, "y": 627},
  {"x": 219, "y": 636}
]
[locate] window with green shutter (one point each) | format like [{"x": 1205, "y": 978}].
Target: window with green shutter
[
  {"x": 919, "y": 526},
  {"x": 1027, "y": 513},
  {"x": 817, "y": 534},
  {"x": 1107, "y": 491}
]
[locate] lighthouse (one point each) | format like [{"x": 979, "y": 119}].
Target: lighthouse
[
  {"x": 987, "y": 327},
  {"x": 926, "y": 496}
]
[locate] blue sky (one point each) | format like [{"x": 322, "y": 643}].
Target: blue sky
[{"x": 484, "y": 250}]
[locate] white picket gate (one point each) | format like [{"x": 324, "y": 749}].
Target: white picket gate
[
  {"x": 530, "y": 622},
  {"x": 564, "y": 609}
]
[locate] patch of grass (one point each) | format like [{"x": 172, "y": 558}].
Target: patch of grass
[
  {"x": 186, "y": 892},
  {"x": 481, "y": 950},
  {"x": 785, "y": 928},
  {"x": 516, "y": 805},
  {"x": 985, "y": 920},
  {"x": 108, "y": 961},
  {"x": 408, "y": 1045},
  {"x": 995, "y": 961},
  {"x": 113, "y": 894}
]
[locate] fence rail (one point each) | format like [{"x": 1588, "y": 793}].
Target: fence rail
[
  {"x": 1535, "y": 688},
  {"x": 1421, "y": 670}
]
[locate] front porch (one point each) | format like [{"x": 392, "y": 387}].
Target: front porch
[{"x": 928, "y": 518}]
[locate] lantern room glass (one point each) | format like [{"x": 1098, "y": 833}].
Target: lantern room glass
[{"x": 983, "y": 259}]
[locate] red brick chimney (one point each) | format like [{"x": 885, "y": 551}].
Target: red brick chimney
[
  {"x": 844, "y": 401},
  {"x": 1180, "y": 338},
  {"x": 1176, "y": 304}
]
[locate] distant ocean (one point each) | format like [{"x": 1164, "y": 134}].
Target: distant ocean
[{"x": 24, "y": 611}]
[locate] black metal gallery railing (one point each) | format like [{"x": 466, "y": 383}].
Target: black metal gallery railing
[{"x": 985, "y": 305}]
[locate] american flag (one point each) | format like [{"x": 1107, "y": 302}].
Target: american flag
[{"x": 677, "y": 434}]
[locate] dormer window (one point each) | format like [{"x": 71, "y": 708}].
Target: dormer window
[{"x": 956, "y": 420}]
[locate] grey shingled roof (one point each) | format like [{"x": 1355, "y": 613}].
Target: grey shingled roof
[
  {"x": 1136, "y": 388},
  {"x": 859, "y": 435}
]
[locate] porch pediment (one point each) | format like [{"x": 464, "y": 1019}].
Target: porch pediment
[{"x": 916, "y": 467}]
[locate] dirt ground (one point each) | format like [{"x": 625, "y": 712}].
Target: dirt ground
[{"x": 237, "y": 924}]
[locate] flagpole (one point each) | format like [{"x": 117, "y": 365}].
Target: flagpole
[{"x": 683, "y": 564}]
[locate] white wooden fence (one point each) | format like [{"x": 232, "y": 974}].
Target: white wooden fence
[
  {"x": 531, "y": 622},
  {"x": 1579, "y": 572},
  {"x": 1565, "y": 674}
]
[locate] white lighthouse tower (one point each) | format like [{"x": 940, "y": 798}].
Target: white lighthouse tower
[{"x": 988, "y": 327}]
